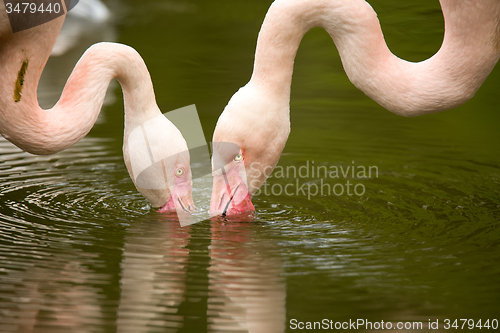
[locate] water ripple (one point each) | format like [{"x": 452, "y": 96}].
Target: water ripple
[{"x": 87, "y": 180}]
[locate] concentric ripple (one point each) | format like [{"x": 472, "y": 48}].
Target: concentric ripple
[
  {"x": 56, "y": 216},
  {"x": 86, "y": 181}
]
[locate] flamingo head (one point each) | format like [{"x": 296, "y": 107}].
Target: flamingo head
[
  {"x": 157, "y": 159},
  {"x": 247, "y": 143}
]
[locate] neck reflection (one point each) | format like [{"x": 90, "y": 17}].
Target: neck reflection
[{"x": 212, "y": 276}]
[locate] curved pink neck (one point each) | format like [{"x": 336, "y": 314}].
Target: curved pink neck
[
  {"x": 39, "y": 131},
  {"x": 469, "y": 52}
]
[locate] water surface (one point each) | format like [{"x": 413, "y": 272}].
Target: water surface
[{"x": 82, "y": 251}]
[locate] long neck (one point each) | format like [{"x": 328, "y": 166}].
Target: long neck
[
  {"x": 470, "y": 50},
  {"x": 22, "y": 58}
]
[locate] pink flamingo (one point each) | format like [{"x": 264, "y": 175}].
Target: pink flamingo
[
  {"x": 257, "y": 116},
  {"x": 23, "y": 56}
]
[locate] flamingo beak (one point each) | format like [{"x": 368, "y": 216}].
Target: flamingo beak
[
  {"x": 181, "y": 199},
  {"x": 230, "y": 194}
]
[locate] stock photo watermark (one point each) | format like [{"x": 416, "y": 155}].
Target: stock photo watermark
[
  {"x": 188, "y": 171},
  {"x": 25, "y": 15},
  {"x": 311, "y": 180},
  {"x": 365, "y": 324}
]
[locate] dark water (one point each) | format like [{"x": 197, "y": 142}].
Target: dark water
[{"x": 82, "y": 251}]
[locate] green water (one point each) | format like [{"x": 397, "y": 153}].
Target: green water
[{"x": 82, "y": 251}]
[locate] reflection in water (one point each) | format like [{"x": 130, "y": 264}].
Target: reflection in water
[
  {"x": 422, "y": 243},
  {"x": 168, "y": 286},
  {"x": 153, "y": 276},
  {"x": 54, "y": 222},
  {"x": 247, "y": 289},
  {"x": 47, "y": 293}
]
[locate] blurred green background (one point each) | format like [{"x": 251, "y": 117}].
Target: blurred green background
[{"x": 82, "y": 250}]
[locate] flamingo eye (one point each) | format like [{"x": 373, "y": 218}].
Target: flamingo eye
[
  {"x": 179, "y": 172},
  {"x": 238, "y": 157}
]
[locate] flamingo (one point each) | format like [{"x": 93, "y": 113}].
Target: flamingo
[
  {"x": 165, "y": 183},
  {"x": 257, "y": 120}
]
